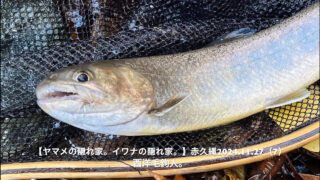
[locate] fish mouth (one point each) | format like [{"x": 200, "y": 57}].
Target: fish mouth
[
  {"x": 56, "y": 96},
  {"x": 60, "y": 94}
]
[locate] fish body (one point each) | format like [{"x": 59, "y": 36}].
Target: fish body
[{"x": 188, "y": 91}]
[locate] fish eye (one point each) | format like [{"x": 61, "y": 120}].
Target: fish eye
[{"x": 83, "y": 77}]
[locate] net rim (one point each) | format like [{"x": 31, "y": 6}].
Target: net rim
[{"x": 193, "y": 164}]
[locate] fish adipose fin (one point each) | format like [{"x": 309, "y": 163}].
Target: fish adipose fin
[
  {"x": 291, "y": 98},
  {"x": 168, "y": 106}
]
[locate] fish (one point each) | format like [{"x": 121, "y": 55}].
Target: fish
[{"x": 189, "y": 91}]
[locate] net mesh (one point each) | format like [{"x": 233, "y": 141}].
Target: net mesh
[{"x": 40, "y": 36}]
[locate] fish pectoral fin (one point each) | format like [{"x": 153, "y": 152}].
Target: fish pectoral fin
[
  {"x": 168, "y": 106},
  {"x": 291, "y": 98}
]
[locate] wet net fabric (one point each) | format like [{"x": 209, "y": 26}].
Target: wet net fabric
[{"x": 41, "y": 36}]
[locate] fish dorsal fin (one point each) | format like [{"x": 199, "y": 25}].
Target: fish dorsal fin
[
  {"x": 169, "y": 105},
  {"x": 234, "y": 35},
  {"x": 291, "y": 98}
]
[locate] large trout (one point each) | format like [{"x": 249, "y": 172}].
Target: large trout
[{"x": 189, "y": 91}]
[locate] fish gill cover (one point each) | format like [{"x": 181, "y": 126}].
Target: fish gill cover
[{"x": 40, "y": 36}]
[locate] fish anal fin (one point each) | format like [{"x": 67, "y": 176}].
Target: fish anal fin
[
  {"x": 290, "y": 98},
  {"x": 168, "y": 106}
]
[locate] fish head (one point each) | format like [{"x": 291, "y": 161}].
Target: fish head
[{"x": 95, "y": 94}]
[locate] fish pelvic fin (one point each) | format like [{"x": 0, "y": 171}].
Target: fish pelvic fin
[
  {"x": 291, "y": 98},
  {"x": 169, "y": 105}
]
